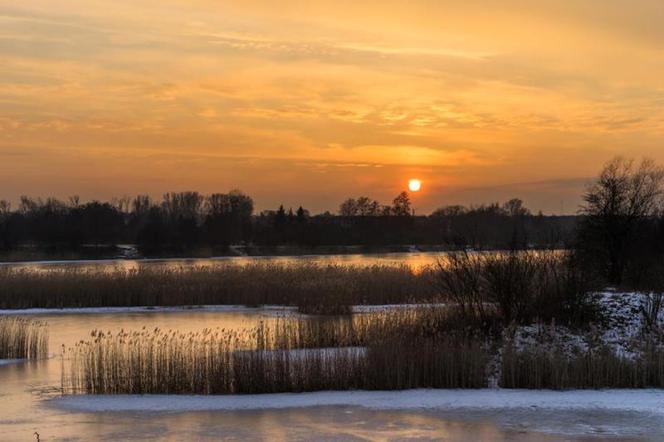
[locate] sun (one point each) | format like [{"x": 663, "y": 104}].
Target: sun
[{"x": 414, "y": 185}]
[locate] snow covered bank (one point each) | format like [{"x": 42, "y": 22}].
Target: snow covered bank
[
  {"x": 621, "y": 328},
  {"x": 640, "y": 401},
  {"x": 386, "y": 307}
]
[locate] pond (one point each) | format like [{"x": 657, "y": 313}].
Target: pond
[{"x": 27, "y": 391}]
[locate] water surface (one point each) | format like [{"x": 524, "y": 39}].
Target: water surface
[
  {"x": 26, "y": 390},
  {"x": 414, "y": 260}
]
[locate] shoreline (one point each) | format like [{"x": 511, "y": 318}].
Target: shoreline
[
  {"x": 130, "y": 253},
  {"x": 220, "y": 308},
  {"x": 621, "y": 400},
  {"x": 344, "y": 251}
]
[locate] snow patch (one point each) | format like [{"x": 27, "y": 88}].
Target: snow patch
[
  {"x": 621, "y": 329},
  {"x": 641, "y": 401},
  {"x": 11, "y": 361},
  {"x": 386, "y": 307}
]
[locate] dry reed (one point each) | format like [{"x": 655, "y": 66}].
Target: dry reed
[
  {"x": 594, "y": 368},
  {"x": 313, "y": 288},
  {"x": 22, "y": 338},
  {"x": 395, "y": 350}
]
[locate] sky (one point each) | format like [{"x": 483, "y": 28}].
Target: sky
[{"x": 310, "y": 102}]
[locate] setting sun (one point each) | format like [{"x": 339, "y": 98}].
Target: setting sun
[{"x": 414, "y": 185}]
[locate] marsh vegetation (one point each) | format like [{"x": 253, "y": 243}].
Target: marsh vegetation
[
  {"x": 462, "y": 342},
  {"x": 390, "y": 350},
  {"x": 594, "y": 368},
  {"x": 386, "y": 351},
  {"x": 311, "y": 287},
  {"x": 22, "y": 338},
  {"x": 473, "y": 332}
]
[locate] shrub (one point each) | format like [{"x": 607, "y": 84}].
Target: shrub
[{"x": 517, "y": 286}]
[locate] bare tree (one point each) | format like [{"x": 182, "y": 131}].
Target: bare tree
[
  {"x": 515, "y": 208},
  {"x": 623, "y": 196},
  {"x": 362, "y": 206},
  {"x": 186, "y": 205},
  {"x": 449, "y": 211},
  {"x": 401, "y": 205},
  {"x": 5, "y": 208},
  {"x": 141, "y": 204},
  {"x": 348, "y": 207},
  {"x": 122, "y": 204}
]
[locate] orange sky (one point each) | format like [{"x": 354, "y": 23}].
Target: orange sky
[{"x": 300, "y": 102}]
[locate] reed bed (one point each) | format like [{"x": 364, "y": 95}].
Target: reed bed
[
  {"x": 418, "y": 348},
  {"x": 384, "y": 351},
  {"x": 592, "y": 369},
  {"x": 313, "y": 288},
  {"x": 22, "y": 338}
]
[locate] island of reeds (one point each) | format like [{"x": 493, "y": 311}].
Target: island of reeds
[
  {"x": 383, "y": 351},
  {"x": 312, "y": 288}
]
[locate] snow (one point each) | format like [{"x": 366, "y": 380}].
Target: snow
[
  {"x": 11, "y": 361},
  {"x": 384, "y": 307},
  {"x": 639, "y": 401},
  {"x": 621, "y": 328},
  {"x": 623, "y": 331}
]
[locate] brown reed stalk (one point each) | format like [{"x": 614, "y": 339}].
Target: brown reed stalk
[
  {"x": 22, "y": 338},
  {"x": 389, "y": 350},
  {"x": 313, "y": 288},
  {"x": 591, "y": 369}
]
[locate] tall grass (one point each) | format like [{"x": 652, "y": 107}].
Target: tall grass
[
  {"x": 22, "y": 338},
  {"x": 419, "y": 348},
  {"x": 313, "y": 288},
  {"x": 379, "y": 351},
  {"x": 594, "y": 368}
]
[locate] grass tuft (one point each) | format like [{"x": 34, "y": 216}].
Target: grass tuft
[
  {"x": 591, "y": 369},
  {"x": 22, "y": 338}
]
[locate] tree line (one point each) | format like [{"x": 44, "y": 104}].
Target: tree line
[
  {"x": 184, "y": 221},
  {"x": 618, "y": 232}
]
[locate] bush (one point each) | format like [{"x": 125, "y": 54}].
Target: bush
[{"x": 517, "y": 286}]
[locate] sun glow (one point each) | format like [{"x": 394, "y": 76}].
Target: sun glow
[{"x": 414, "y": 185}]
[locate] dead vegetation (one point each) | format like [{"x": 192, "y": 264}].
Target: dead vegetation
[{"x": 22, "y": 338}]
